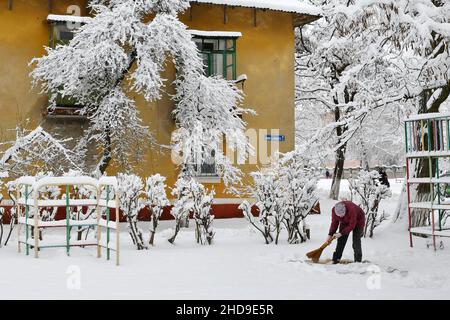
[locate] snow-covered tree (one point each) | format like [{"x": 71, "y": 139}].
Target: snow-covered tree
[
  {"x": 155, "y": 200},
  {"x": 193, "y": 198},
  {"x": 121, "y": 51},
  {"x": 130, "y": 189},
  {"x": 368, "y": 192},
  {"x": 38, "y": 151},
  {"x": 350, "y": 69},
  {"x": 297, "y": 187},
  {"x": 421, "y": 28}
]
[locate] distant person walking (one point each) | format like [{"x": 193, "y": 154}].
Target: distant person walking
[
  {"x": 327, "y": 174},
  {"x": 384, "y": 177}
]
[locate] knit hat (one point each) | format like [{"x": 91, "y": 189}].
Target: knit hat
[{"x": 340, "y": 209}]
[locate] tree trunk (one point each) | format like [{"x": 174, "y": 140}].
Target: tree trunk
[
  {"x": 153, "y": 230},
  {"x": 339, "y": 161},
  {"x": 177, "y": 229},
  {"x": 338, "y": 173},
  {"x": 106, "y": 158},
  {"x": 107, "y": 147}
]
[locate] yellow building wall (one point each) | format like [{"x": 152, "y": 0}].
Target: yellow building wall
[
  {"x": 24, "y": 32},
  {"x": 265, "y": 53}
]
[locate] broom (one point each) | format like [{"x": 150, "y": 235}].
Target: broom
[{"x": 315, "y": 254}]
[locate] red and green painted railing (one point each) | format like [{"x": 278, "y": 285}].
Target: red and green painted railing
[
  {"x": 427, "y": 134},
  {"x": 427, "y": 140}
]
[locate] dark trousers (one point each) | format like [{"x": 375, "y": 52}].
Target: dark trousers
[{"x": 357, "y": 234}]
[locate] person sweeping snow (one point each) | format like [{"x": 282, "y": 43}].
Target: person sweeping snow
[{"x": 349, "y": 217}]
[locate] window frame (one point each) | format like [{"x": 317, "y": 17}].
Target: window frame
[
  {"x": 224, "y": 52},
  {"x": 54, "y": 34},
  {"x": 197, "y": 168},
  {"x": 64, "y": 104}
]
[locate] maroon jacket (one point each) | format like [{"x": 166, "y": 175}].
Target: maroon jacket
[{"x": 354, "y": 217}]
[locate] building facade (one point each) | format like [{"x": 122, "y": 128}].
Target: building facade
[{"x": 248, "y": 41}]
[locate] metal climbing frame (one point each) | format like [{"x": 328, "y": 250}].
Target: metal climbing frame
[
  {"x": 427, "y": 141},
  {"x": 108, "y": 199},
  {"x": 29, "y": 213}
]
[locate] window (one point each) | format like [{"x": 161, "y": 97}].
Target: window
[
  {"x": 207, "y": 168},
  {"x": 219, "y": 56},
  {"x": 219, "y": 59},
  {"x": 61, "y": 33}
]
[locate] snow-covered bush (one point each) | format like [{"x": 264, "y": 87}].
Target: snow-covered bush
[
  {"x": 193, "y": 198},
  {"x": 201, "y": 209},
  {"x": 367, "y": 192},
  {"x": 156, "y": 200},
  {"x": 49, "y": 193},
  {"x": 78, "y": 212},
  {"x": 182, "y": 206},
  {"x": 38, "y": 151},
  {"x": 32, "y": 153},
  {"x": 46, "y": 193},
  {"x": 130, "y": 191},
  {"x": 2, "y": 210},
  {"x": 297, "y": 190},
  {"x": 264, "y": 190},
  {"x": 11, "y": 189},
  {"x": 284, "y": 197}
]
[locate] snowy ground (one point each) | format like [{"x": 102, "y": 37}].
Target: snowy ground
[{"x": 238, "y": 266}]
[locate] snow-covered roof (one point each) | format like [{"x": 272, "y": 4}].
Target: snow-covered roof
[
  {"x": 294, "y": 6},
  {"x": 67, "y": 18},
  {"x": 215, "y": 34}
]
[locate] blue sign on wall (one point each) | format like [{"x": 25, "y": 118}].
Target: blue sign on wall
[{"x": 275, "y": 137}]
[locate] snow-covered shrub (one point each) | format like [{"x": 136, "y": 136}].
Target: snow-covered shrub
[
  {"x": 264, "y": 190},
  {"x": 11, "y": 189},
  {"x": 77, "y": 212},
  {"x": 38, "y": 151},
  {"x": 46, "y": 193},
  {"x": 156, "y": 200},
  {"x": 201, "y": 209},
  {"x": 130, "y": 190},
  {"x": 367, "y": 192},
  {"x": 2, "y": 210},
  {"x": 182, "y": 206},
  {"x": 49, "y": 193},
  {"x": 297, "y": 190},
  {"x": 284, "y": 197},
  {"x": 193, "y": 198}
]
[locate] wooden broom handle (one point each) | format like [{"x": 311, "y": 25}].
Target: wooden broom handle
[{"x": 327, "y": 243}]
